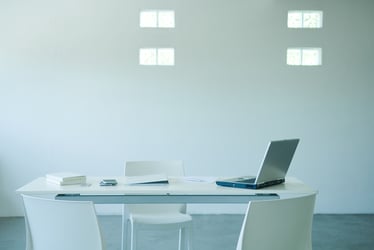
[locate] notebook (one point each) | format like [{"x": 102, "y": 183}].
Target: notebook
[{"x": 273, "y": 169}]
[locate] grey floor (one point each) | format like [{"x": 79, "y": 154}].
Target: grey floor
[{"x": 215, "y": 232}]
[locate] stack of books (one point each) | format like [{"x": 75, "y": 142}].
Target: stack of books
[{"x": 66, "y": 178}]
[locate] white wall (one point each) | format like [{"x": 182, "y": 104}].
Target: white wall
[{"x": 72, "y": 96}]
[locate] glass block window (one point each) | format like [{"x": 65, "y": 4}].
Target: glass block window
[
  {"x": 304, "y": 19},
  {"x": 165, "y": 56},
  {"x": 157, "y": 19},
  {"x": 157, "y": 56},
  {"x": 148, "y": 56},
  {"x": 304, "y": 56}
]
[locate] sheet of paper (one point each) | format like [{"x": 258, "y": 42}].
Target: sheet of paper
[
  {"x": 146, "y": 179},
  {"x": 206, "y": 179}
]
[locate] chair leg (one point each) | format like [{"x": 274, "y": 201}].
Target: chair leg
[
  {"x": 124, "y": 232},
  {"x": 184, "y": 238},
  {"x": 133, "y": 236},
  {"x": 184, "y": 242},
  {"x": 189, "y": 236},
  {"x": 180, "y": 239},
  {"x": 125, "y": 228}
]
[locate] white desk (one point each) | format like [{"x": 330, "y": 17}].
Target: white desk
[{"x": 179, "y": 190}]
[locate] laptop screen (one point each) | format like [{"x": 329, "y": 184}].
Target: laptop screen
[{"x": 277, "y": 160}]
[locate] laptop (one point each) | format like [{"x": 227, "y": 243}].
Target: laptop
[{"x": 273, "y": 170}]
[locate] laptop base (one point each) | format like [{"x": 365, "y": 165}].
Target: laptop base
[{"x": 227, "y": 183}]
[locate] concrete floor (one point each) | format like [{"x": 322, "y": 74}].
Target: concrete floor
[{"x": 217, "y": 232}]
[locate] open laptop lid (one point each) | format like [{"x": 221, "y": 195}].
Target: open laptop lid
[{"x": 277, "y": 160}]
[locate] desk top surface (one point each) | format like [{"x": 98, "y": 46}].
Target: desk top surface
[{"x": 177, "y": 186}]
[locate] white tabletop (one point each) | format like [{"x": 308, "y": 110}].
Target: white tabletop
[{"x": 176, "y": 186}]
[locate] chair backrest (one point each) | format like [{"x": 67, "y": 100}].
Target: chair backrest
[
  {"x": 62, "y": 225},
  {"x": 170, "y": 168},
  {"x": 284, "y": 224}
]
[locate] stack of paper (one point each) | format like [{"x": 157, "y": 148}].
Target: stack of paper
[
  {"x": 147, "y": 179},
  {"x": 66, "y": 178}
]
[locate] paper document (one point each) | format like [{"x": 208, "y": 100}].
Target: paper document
[
  {"x": 147, "y": 179},
  {"x": 206, "y": 179}
]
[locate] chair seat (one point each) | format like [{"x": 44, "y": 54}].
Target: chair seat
[{"x": 160, "y": 218}]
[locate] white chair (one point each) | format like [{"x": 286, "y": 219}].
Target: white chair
[
  {"x": 284, "y": 224},
  {"x": 155, "y": 216},
  {"x": 61, "y": 225}
]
